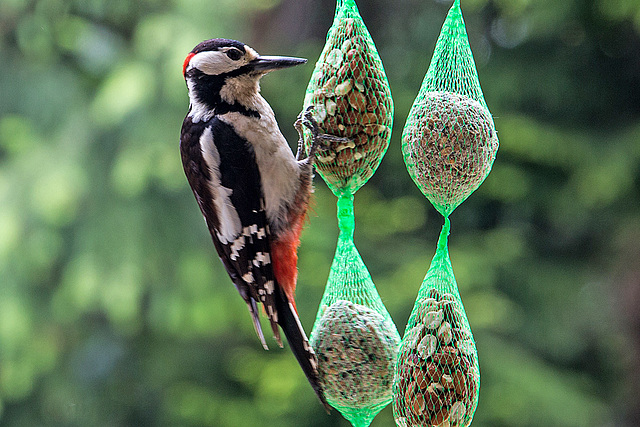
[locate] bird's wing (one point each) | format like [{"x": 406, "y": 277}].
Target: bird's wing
[
  {"x": 220, "y": 167},
  {"x": 221, "y": 170}
]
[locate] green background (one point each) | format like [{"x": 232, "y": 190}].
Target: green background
[{"x": 115, "y": 311}]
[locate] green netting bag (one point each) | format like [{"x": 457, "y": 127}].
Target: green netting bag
[
  {"x": 449, "y": 144},
  {"x": 351, "y": 99},
  {"x": 353, "y": 336},
  {"x": 449, "y": 140},
  {"x": 437, "y": 377}
]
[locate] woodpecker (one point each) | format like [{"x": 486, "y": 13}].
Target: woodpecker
[{"x": 251, "y": 189}]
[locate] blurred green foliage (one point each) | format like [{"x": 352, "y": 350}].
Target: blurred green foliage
[{"x": 114, "y": 309}]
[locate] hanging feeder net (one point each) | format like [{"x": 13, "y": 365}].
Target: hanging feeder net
[
  {"x": 437, "y": 376},
  {"x": 449, "y": 144},
  {"x": 449, "y": 140},
  {"x": 354, "y": 337},
  {"x": 351, "y": 99}
]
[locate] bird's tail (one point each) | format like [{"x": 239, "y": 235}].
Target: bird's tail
[{"x": 290, "y": 324}]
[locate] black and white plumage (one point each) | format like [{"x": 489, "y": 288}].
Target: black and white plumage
[{"x": 250, "y": 188}]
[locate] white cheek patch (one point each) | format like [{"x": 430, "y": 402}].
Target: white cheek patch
[{"x": 215, "y": 62}]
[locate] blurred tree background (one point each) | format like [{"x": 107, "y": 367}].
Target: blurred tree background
[{"x": 114, "y": 309}]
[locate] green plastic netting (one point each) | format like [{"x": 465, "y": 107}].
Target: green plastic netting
[
  {"x": 353, "y": 336},
  {"x": 437, "y": 377},
  {"x": 449, "y": 140},
  {"x": 449, "y": 144},
  {"x": 350, "y": 95}
]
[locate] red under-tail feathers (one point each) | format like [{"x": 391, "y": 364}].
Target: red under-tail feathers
[{"x": 284, "y": 252}]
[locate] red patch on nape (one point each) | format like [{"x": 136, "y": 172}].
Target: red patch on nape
[{"x": 186, "y": 63}]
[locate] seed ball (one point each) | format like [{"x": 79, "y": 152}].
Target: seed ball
[
  {"x": 356, "y": 348},
  {"x": 449, "y": 145}
]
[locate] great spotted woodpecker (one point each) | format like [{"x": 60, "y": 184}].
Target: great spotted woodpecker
[{"x": 251, "y": 189}]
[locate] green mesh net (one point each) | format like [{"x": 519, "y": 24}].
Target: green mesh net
[
  {"x": 350, "y": 95},
  {"x": 449, "y": 144},
  {"x": 449, "y": 140},
  {"x": 354, "y": 336},
  {"x": 437, "y": 377}
]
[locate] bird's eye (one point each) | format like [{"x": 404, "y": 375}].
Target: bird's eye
[{"x": 234, "y": 54}]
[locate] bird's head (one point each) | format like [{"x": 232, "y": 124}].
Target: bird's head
[{"x": 223, "y": 71}]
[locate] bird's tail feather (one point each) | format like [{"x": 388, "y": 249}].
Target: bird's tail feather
[
  {"x": 300, "y": 346},
  {"x": 253, "y": 309}
]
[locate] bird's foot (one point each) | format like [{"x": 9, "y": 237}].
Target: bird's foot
[{"x": 319, "y": 141}]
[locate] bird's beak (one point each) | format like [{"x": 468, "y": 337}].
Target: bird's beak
[{"x": 265, "y": 64}]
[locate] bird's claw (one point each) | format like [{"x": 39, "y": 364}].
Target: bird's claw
[
  {"x": 319, "y": 141},
  {"x": 299, "y": 124}
]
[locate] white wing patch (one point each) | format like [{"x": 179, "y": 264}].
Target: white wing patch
[{"x": 228, "y": 218}]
